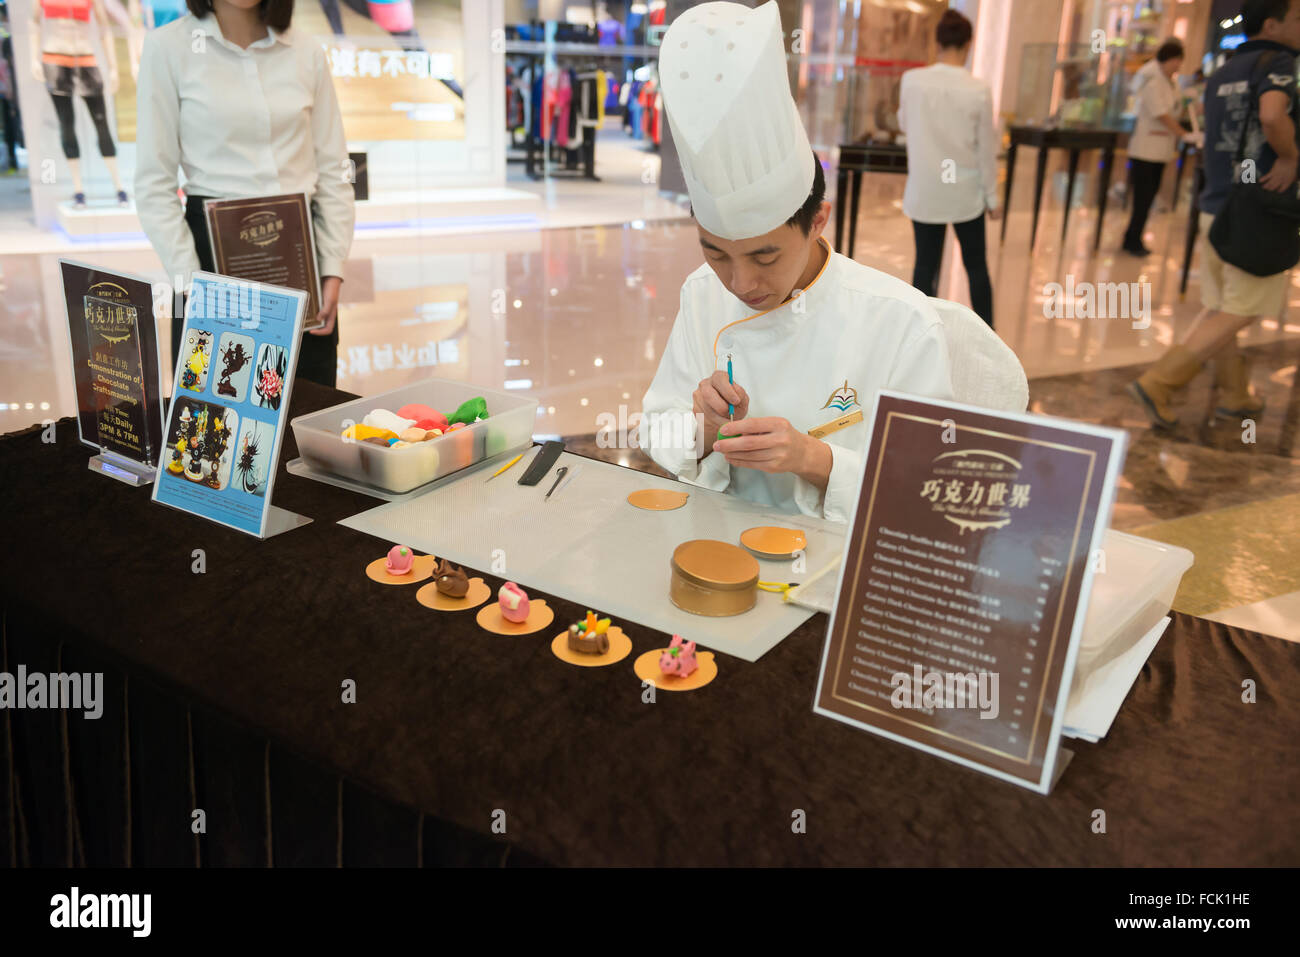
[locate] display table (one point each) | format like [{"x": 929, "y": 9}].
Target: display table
[
  {"x": 222, "y": 692},
  {"x": 856, "y": 159},
  {"x": 1073, "y": 141}
]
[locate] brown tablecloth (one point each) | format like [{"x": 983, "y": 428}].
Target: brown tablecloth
[{"x": 224, "y": 694}]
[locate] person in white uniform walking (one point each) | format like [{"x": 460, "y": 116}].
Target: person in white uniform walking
[
  {"x": 952, "y": 167},
  {"x": 811, "y": 335},
  {"x": 1156, "y": 135}
]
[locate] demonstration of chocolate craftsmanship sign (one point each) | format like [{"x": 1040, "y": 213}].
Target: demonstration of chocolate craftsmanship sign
[
  {"x": 268, "y": 239},
  {"x": 115, "y": 363},
  {"x": 965, "y": 582}
]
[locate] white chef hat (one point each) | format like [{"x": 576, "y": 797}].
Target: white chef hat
[{"x": 744, "y": 153}]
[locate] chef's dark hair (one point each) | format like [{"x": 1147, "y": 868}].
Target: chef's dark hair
[
  {"x": 1255, "y": 12},
  {"x": 954, "y": 30},
  {"x": 803, "y": 216},
  {"x": 276, "y": 14},
  {"x": 1169, "y": 50}
]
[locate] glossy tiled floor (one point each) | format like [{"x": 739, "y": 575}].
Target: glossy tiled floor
[{"x": 576, "y": 316}]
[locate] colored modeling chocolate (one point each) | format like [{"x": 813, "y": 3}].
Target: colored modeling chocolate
[
  {"x": 470, "y": 411},
  {"x": 400, "y": 560},
  {"x": 514, "y": 603},
  {"x": 451, "y": 580},
  {"x": 383, "y": 419},
  {"x": 425, "y": 417},
  {"x": 363, "y": 432},
  {"x": 589, "y": 636},
  {"x": 678, "y": 658}
]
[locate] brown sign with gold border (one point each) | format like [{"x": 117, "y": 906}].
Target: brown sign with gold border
[
  {"x": 965, "y": 581},
  {"x": 267, "y": 239}
]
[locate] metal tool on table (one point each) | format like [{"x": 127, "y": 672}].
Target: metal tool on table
[
  {"x": 562, "y": 479},
  {"x": 559, "y": 477}
]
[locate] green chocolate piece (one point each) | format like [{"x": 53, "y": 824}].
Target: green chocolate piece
[{"x": 469, "y": 411}]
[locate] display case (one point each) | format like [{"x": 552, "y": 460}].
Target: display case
[{"x": 1071, "y": 85}]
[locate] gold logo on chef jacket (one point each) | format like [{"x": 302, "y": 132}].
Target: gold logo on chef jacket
[
  {"x": 841, "y": 400},
  {"x": 975, "y": 489},
  {"x": 109, "y": 313},
  {"x": 261, "y": 228}
]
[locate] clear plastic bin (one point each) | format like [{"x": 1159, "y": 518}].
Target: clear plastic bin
[
  {"x": 1131, "y": 596},
  {"x": 320, "y": 442}
]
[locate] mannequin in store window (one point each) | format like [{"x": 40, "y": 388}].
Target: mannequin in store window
[
  {"x": 245, "y": 107},
  {"x": 63, "y": 58}
]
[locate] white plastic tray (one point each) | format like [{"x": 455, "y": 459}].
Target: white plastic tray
[{"x": 587, "y": 544}]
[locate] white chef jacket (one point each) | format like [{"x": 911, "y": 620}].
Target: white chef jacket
[
  {"x": 239, "y": 123},
  {"x": 952, "y": 165},
  {"x": 855, "y": 331},
  {"x": 1154, "y": 96}
]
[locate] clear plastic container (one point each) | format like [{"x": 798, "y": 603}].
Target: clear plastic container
[
  {"x": 320, "y": 442},
  {"x": 1130, "y": 597}
]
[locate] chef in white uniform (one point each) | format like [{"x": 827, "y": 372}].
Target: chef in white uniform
[{"x": 812, "y": 335}]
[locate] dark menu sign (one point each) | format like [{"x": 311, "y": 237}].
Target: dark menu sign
[
  {"x": 267, "y": 240},
  {"x": 115, "y": 360},
  {"x": 965, "y": 582}
]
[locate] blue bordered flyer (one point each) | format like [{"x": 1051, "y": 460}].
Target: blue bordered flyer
[{"x": 230, "y": 400}]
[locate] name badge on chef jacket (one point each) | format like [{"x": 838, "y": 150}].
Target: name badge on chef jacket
[{"x": 843, "y": 400}]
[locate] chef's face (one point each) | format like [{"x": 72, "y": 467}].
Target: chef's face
[{"x": 762, "y": 272}]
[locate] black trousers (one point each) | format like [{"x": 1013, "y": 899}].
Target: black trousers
[
  {"x": 9, "y": 115},
  {"x": 929, "y": 254},
  {"x": 1146, "y": 183},
  {"x": 318, "y": 356},
  {"x": 63, "y": 109}
]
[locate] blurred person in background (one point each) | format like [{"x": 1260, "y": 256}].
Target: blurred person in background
[
  {"x": 1250, "y": 100},
  {"x": 952, "y": 172},
  {"x": 1156, "y": 136}
]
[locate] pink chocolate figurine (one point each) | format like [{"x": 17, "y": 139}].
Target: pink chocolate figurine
[
  {"x": 514, "y": 603},
  {"x": 400, "y": 560},
  {"x": 679, "y": 658}
]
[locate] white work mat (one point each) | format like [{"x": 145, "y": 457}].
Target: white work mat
[{"x": 588, "y": 545}]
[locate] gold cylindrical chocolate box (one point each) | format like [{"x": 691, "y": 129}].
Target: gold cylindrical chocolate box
[{"x": 713, "y": 578}]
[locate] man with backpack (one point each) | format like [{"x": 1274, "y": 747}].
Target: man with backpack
[{"x": 1252, "y": 146}]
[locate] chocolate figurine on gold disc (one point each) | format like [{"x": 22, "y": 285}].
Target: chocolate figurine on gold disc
[{"x": 451, "y": 580}]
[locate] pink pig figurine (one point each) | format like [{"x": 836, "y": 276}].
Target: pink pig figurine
[{"x": 678, "y": 658}]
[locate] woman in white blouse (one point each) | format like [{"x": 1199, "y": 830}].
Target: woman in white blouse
[
  {"x": 952, "y": 169},
  {"x": 1155, "y": 139},
  {"x": 244, "y": 107}
]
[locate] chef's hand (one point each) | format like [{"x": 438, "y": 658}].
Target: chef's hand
[
  {"x": 329, "y": 305},
  {"x": 772, "y": 444},
  {"x": 710, "y": 402},
  {"x": 995, "y": 214},
  {"x": 113, "y": 81}
]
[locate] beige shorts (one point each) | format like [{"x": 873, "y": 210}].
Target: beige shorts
[{"x": 1233, "y": 290}]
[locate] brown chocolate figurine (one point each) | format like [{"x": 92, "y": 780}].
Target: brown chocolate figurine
[{"x": 451, "y": 580}]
